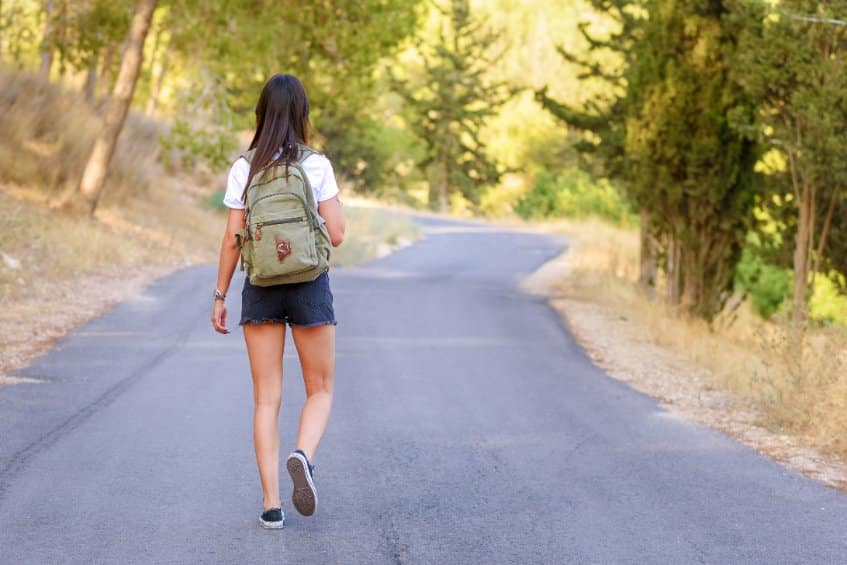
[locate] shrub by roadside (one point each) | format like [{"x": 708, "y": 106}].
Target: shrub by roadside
[{"x": 573, "y": 194}]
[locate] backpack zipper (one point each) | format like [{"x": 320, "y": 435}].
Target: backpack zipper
[
  {"x": 257, "y": 234},
  {"x": 306, "y": 207}
]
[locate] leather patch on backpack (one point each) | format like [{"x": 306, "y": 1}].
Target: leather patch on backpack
[{"x": 283, "y": 248}]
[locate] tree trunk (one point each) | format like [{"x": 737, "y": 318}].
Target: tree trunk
[
  {"x": 802, "y": 256},
  {"x": 674, "y": 272},
  {"x": 438, "y": 195},
  {"x": 156, "y": 89},
  {"x": 827, "y": 223},
  {"x": 438, "y": 186},
  {"x": 443, "y": 203},
  {"x": 647, "y": 268},
  {"x": 47, "y": 41},
  {"x": 46, "y": 61},
  {"x": 90, "y": 87},
  {"x": 692, "y": 283},
  {"x": 94, "y": 176},
  {"x": 106, "y": 68}
]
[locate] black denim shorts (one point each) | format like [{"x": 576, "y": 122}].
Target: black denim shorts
[{"x": 298, "y": 304}]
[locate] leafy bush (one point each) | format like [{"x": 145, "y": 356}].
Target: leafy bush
[
  {"x": 828, "y": 303},
  {"x": 188, "y": 147},
  {"x": 573, "y": 194},
  {"x": 769, "y": 286}
]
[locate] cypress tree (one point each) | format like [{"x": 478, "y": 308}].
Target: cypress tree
[
  {"x": 691, "y": 169},
  {"x": 669, "y": 134}
]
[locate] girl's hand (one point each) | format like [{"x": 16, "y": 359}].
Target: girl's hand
[{"x": 219, "y": 317}]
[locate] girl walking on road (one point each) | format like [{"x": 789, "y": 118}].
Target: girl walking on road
[{"x": 285, "y": 242}]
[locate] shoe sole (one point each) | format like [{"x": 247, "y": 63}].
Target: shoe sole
[
  {"x": 272, "y": 525},
  {"x": 304, "y": 497}
]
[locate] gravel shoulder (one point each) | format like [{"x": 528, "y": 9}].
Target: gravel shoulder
[{"x": 33, "y": 322}]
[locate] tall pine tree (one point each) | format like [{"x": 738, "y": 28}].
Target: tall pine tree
[
  {"x": 448, "y": 105},
  {"x": 603, "y": 119}
]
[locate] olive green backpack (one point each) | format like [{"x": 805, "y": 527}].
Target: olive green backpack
[{"x": 284, "y": 240}]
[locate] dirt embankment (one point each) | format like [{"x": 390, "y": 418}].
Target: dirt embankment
[{"x": 60, "y": 270}]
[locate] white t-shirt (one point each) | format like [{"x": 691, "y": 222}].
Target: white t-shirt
[{"x": 317, "y": 168}]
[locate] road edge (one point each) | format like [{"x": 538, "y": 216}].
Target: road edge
[{"x": 686, "y": 393}]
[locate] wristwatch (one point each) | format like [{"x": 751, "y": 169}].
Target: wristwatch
[{"x": 219, "y": 295}]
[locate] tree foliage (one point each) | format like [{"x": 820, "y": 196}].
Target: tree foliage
[
  {"x": 665, "y": 129},
  {"x": 334, "y": 46},
  {"x": 212, "y": 57},
  {"x": 450, "y": 102},
  {"x": 603, "y": 117},
  {"x": 690, "y": 169},
  {"x": 792, "y": 62}
]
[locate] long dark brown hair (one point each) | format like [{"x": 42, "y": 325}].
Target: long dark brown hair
[{"x": 282, "y": 122}]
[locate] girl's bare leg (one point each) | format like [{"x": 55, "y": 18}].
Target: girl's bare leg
[
  {"x": 316, "y": 349},
  {"x": 265, "y": 344}
]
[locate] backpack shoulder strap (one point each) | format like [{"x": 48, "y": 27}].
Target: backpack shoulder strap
[
  {"x": 309, "y": 195},
  {"x": 306, "y": 152}
]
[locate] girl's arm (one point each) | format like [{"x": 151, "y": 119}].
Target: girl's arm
[
  {"x": 226, "y": 266},
  {"x": 330, "y": 211}
]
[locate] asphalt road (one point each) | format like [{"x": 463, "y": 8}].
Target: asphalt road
[{"x": 468, "y": 428}]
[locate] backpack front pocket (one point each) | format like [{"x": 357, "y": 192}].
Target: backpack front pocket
[{"x": 282, "y": 246}]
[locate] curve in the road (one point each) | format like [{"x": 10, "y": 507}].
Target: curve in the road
[{"x": 469, "y": 427}]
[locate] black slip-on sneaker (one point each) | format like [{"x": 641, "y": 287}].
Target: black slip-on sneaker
[
  {"x": 304, "y": 497},
  {"x": 272, "y": 519}
]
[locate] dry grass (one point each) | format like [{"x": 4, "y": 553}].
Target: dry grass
[
  {"x": 57, "y": 269},
  {"x": 48, "y": 133},
  {"x": 804, "y": 392},
  {"x": 60, "y": 269},
  {"x": 166, "y": 225},
  {"x": 804, "y": 395}
]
